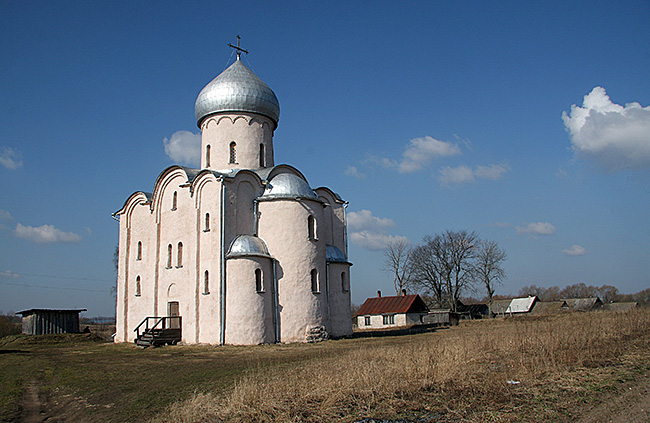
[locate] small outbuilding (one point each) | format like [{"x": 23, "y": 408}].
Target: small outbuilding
[
  {"x": 583, "y": 304},
  {"x": 394, "y": 311},
  {"x": 41, "y": 321}
]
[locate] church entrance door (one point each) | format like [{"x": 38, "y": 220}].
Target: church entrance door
[{"x": 173, "y": 310}]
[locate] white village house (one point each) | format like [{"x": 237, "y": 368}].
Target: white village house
[
  {"x": 242, "y": 249},
  {"x": 393, "y": 311}
]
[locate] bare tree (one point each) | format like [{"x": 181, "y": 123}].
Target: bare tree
[
  {"x": 398, "y": 262},
  {"x": 489, "y": 257},
  {"x": 462, "y": 247},
  {"x": 428, "y": 268}
]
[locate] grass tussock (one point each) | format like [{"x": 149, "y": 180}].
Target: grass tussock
[{"x": 459, "y": 372}]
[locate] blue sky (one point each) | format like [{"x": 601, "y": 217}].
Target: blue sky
[{"x": 425, "y": 116}]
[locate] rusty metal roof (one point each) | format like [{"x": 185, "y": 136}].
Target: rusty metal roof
[{"x": 401, "y": 304}]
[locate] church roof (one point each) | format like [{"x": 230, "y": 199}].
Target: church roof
[
  {"x": 288, "y": 185},
  {"x": 237, "y": 89},
  {"x": 248, "y": 245}
]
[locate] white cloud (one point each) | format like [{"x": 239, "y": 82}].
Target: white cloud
[
  {"x": 449, "y": 176},
  {"x": 373, "y": 240},
  {"x": 575, "y": 250},
  {"x": 9, "y": 274},
  {"x": 422, "y": 150},
  {"x": 5, "y": 215},
  {"x": 370, "y": 232},
  {"x": 10, "y": 158},
  {"x": 184, "y": 147},
  {"x": 46, "y": 234},
  {"x": 614, "y": 137},
  {"x": 364, "y": 219},
  {"x": 353, "y": 171},
  {"x": 539, "y": 228}
]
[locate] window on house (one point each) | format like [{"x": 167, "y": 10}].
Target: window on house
[
  {"x": 207, "y": 223},
  {"x": 138, "y": 288},
  {"x": 174, "y": 200},
  {"x": 344, "y": 282},
  {"x": 138, "y": 255},
  {"x": 314, "y": 281},
  {"x": 233, "y": 152},
  {"x": 366, "y": 320},
  {"x": 389, "y": 319},
  {"x": 258, "y": 281},
  {"x": 179, "y": 258},
  {"x": 262, "y": 158},
  {"x": 311, "y": 227},
  {"x": 169, "y": 256},
  {"x": 207, "y": 156},
  {"x": 206, "y": 282}
]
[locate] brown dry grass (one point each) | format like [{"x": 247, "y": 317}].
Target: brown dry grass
[{"x": 457, "y": 374}]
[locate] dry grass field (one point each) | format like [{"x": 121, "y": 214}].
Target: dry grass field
[{"x": 576, "y": 367}]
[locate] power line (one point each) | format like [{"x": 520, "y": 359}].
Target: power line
[
  {"x": 53, "y": 287},
  {"x": 61, "y": 277}
]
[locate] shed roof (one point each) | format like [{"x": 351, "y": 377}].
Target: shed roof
[
  {"x": 396, "y": 304},
  {"x": 521, "y": 305},
  {"x": 500, "y": 306},
  {"x": 548, "y": 307},
  {"x": 36, "y": 310}
]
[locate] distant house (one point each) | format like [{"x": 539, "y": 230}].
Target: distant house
[
  {"x": 624, "y": 306},
  {"x": 473, "y": 311},
  {"x": 388, "y": 312},
  {"x": 39, "y": 321},
  {"x": 499, "y": 307},
  {"x": 583, "y": 304}
]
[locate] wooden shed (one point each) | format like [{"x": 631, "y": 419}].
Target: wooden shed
[{"x": 40, "y": 321}]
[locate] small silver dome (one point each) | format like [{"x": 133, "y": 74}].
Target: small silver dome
[
  {"x": 288, "y": 185},
  {"x": 247, "y": 245},
  {"x": 237, "y": 89}
]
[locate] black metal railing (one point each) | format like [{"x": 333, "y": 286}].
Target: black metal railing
[{"x": 152, "y": 324}]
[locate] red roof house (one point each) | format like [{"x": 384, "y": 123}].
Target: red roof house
[{"x": 384, "y": 312}]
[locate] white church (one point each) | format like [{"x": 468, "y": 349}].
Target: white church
[{"x": 241, "y": 251}]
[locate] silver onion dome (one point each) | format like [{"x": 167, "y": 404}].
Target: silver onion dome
[
  {"x": 237, "y": 89},
  {"x": 247, "y": 245},
  {"x": 288, "y": 185}
]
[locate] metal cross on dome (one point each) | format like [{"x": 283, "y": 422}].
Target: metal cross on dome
[{"x": 239, "y": 49}]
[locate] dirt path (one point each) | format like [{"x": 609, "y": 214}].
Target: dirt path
[{"x": 33, "y": 408}]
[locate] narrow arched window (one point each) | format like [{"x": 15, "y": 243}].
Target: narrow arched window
[
  {"x": 233, "y": 152},
  {"x": 138, "y": 255},
  {"x": 138, "y": 288},
  {"x": 207, "y": 156},
  {"x": 314, "y": 281},
  {"x": 262, "y": 158},
  {"x": 344, "y": 282},
  {"x": 179, "y": 258},
  {"x": 174, "y": 200},
  {"x": 206, "y": 282},
  {"x": 258, "y": 281},
  {"x": 169, "y": 256},
  {"x": 311, "y": 227},
  {"x": 206, "y": 228}
]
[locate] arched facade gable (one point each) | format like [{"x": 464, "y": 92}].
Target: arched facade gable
[
  {"x": 201, "y": 180},
  {"x": 163, "y": 180},
  {"x": 247, "y": 175},
  {"x": 330, "y": 196},
  {"x": 136, "y": 199}
]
